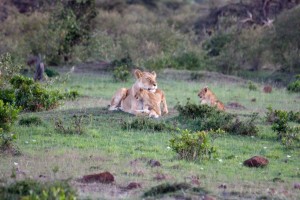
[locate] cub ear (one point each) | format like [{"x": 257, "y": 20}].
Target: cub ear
[
  {"x": 138, "y": 73},
  {"x": 154, "y": 74},
  {"x": 141, "y": 90}
]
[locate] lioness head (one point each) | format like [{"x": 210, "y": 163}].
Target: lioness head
[
  {"x": 203, "y": 92},
  {"x": 146, "y": 80}
]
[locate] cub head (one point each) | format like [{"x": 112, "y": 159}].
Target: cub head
[
  {"x": 146, "y": 80},
  {"x": 203, "y": 92},
  {"x": 140, "y": 94}
]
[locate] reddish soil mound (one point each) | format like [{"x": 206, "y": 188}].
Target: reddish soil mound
[
  {"x": 267, "y": 89},
  {"x": 133, "y": 185},
  {"x": 297, "y": 186},
  {"x": 104, "y": 177},
  {"x": 256, "y": 161},
  {"x": 154, "y": 163}
]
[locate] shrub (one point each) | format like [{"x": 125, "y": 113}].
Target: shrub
[
  {"x": 7, "y": 96},
  {"x": 72, "y": 94},
  {"x": 251, "y": 86},
  {"x": 204, "y": 117},
  {"x": 51, "y": 72},
  {"x": 195, "y": 145},
  {"x": 34, "y": 190},
  {"x": 272, "y": 115},
  {"x": 6, "y": 144},
  {"x": 76, "y": 126},
  {"x": 32, "y": 96},
  {"x": 31, "y": 120},
  {"x": 295, "y": 85},
  {"x": 8, "y": 115},
  {"x": 147, "y": 124},
  {"x": 121, "y": 74}
]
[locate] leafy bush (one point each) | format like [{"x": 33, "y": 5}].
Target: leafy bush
[
  {"x": 295, "y": 85},
  {"x": 51, "y": 72},
  {"x": 32, "y": 96},
  {"x": 251, "y": 86},
  {"x": 76, "y": 126},
  {"x": 203, "y": 117},
  {"x": 147, "y": 124},
  {"x": 195, "y": 145},
  {"x": 216, "y": 44},
  {"x": 7, "y": 96},
  {"x": 121, "y": 74},
  {"x": 31, "y": 120},
  {"x": 33, "y": 190},
  {"x": 72, "y": 94},
  {"x": 8, "y": 115},
  {"x": 285, "y": 133},
  {"x": 6, "y": 144},
  {"x": 272, "y": 115}
]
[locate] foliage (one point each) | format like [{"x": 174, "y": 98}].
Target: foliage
[
  {"x": 7, "y": 69},
  {"x": 32, "y": 95},
  {"x": 51, "y": 72},
  {"x": 195, "y": 145},
  {"x": 144, "y": 123},
  {"x": 121, "y": 73},
  {"x": 72, "y": 94},
  {"x": 295, "y": 85},
  {"x": 272, "y": 115},
  {"x": 8, "y": 115},
  {"x": 216, "y": 44},
  {"x": 289, "y": 136},
  {"x": 7, "y": 96},
  {"x": 29, "y": 189},
  {"x": 7, "y": 145},
  {"x": 251, "y": 86},
  {"x": 30, "y": 121},
  {"x": 204, "y": 117},
  {"x": 166, "y": 188},
  {"x": 76, "y": 126}
]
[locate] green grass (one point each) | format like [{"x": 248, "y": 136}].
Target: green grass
[{"x": 106, "y": 147}]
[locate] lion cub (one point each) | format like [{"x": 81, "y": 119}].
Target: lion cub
[
  {"x": 208, "y": 97},
  {"x": 152, "y": 101}
]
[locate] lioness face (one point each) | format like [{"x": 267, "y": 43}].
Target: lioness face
[
  {"x": 202, "y": 93},
  {"x": 146, "y": 80}
]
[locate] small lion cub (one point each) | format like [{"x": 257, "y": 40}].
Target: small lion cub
[
  {"x": 152, "y": 101},
  {"x": 208, "y": 97}
]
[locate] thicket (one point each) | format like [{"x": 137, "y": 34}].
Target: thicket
[{"x": 204, "y": 118}]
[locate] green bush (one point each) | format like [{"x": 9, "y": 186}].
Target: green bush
[
  {"x": 7, "y": 96},
  {"x": 252, "y": 86},
  {"x": 7, "y": 145},
  {"x": 29, "y": 189},
  {"x": 295, "y": 85},
  {"x": 33, "y": 96},
  {"x": 289, "y": 136},
  {"x": 51, "y": 72},
  {"x": 203, "y": 117},
  {"x": 8, "y": 115},
  {"x": 8, "y": 69},
  {"x": 31, "y": 120},
  {"x": 72, "y": 94},
  {"x": 144, "y": 123},
  {"x": 121, "y": 73},
  {"x": 195, "y": 145}
]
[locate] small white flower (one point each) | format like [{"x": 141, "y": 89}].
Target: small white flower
[
  {"x": 26, "y": 142},
  {"x": 16, "y": 164},
  {"x": 220, "y": 160},
  {"x": 252, "y": 136},
  {"x": 33, "y": 140},
  {"x": 240, "y": 163},
  {"x": 265, "y": 147},
  {"x": 201, "y": 168},
  {"x": 288, "y": 156},
  {"x": 168, "y": 148}
]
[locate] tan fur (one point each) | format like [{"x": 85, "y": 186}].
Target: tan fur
[
  {"x": 152, "y": 101},
  {"x": 124, "y": 98},
  {"x": 208, "y": 97}
]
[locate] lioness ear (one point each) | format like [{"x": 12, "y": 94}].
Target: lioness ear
[
  {"x": 138, "y": 74},
  {"x": 205, "y": 89},
  {"x": 154, "y": 74}
]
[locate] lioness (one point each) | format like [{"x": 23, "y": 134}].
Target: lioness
[
  {"x": 124, "y": 98},
  {"x": 152, "y": 101},
  {"x": 208, "y": 97}
]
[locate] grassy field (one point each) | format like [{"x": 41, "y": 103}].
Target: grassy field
[{"x": 105, "y": 146}]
